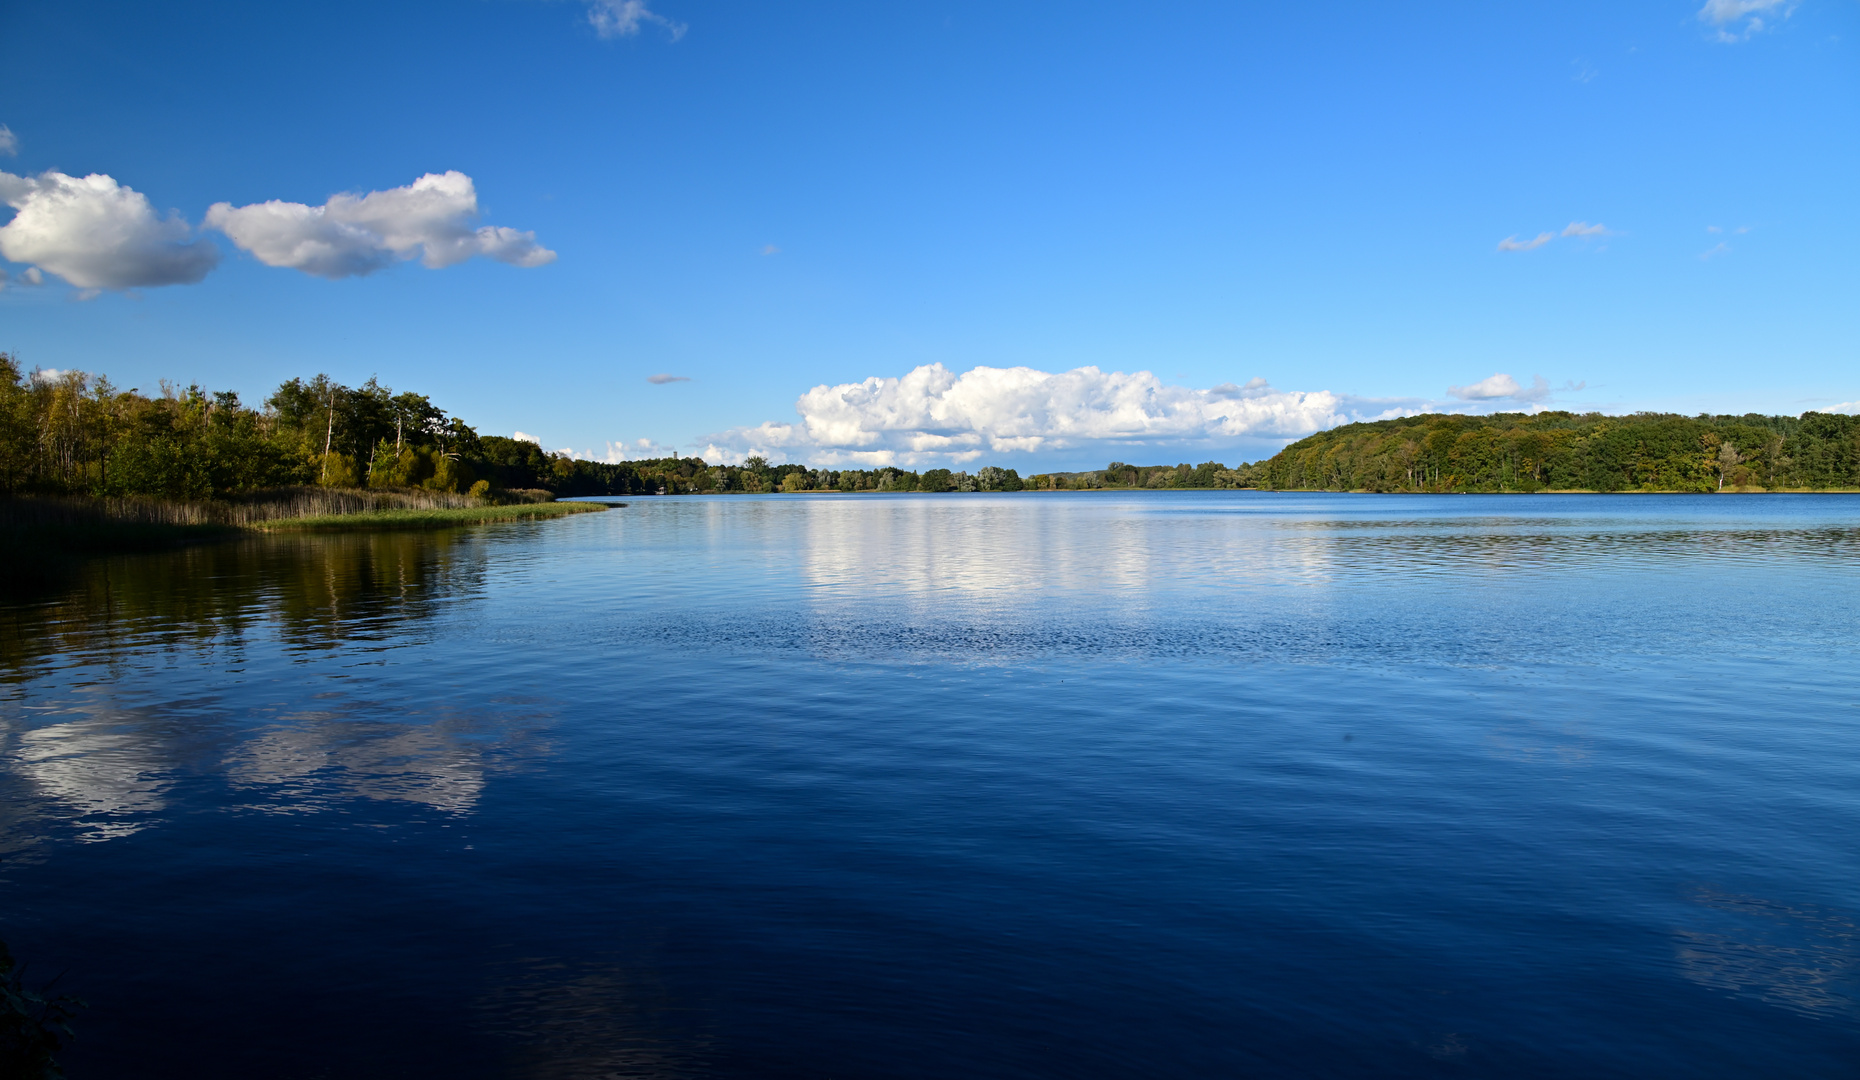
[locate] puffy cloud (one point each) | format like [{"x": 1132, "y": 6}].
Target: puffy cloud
[
  {"x": 1849, "y": 407},
  {"x": 1501, "y": 387},
  {"x": 623, "y": 18},
  {"x": 9, "y": 142},
  {"x": 1724, "y": 15},
  {"x": 1512, "y": 243},
  {"x": 521, "y": 436},
  {"x": 352, "y": 235},
  {"x": 98, "y": 234},
  {"x": 735, "y": 455},
  {"x": 1497, "y": 386},
  {"x": 934, "y": 415},
  {"x": 661, "y": 379}
]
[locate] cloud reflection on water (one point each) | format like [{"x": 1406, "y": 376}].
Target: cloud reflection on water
[
  {"x": 89, "y": 760},
  {"x": 1800, "y": 957}
]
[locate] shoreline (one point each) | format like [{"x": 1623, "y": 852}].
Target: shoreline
[{"x": 34, "y": 549}]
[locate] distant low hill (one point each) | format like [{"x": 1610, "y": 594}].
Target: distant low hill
[{"x": 1562, "y": 451}]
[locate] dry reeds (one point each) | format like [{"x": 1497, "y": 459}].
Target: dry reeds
[{"x": 239, "y": 511}]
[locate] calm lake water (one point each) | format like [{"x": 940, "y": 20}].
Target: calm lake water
[{"x": 1183, "y": 784}]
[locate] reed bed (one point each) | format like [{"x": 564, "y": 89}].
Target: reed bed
[
  {"x": 244, "y": 511},
  {"x": 433, "y": 518},
  {"x": 41, "y": 536}
]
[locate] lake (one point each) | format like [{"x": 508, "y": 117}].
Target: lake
[{"x": 1096, "y": 784}]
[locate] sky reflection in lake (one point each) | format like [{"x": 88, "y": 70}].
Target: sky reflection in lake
[{"x": 1169, "y": 784}]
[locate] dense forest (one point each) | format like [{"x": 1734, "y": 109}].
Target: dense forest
[{"x": 1551, "y": 451}]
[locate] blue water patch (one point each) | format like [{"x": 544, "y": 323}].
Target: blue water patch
[{"x": 1167, "y": 784}]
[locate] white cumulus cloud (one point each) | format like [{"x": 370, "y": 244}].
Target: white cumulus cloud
[
  {"x": 9, "y": 142},
  {"x": 522, "y": 436},
  {"x": 352, "y": 235},
  {"x": 98, "y": 234},
  {"x": 934, "y": 415},
  {"x": 624, "y": 18}
]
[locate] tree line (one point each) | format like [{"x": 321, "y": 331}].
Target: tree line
[
  {"x": 1563, "y": 451},
  {"x": 74, "y": 433},
  {"x": 70, "y": 432}
]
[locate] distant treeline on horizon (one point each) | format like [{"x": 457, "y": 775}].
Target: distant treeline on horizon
[{"x": 74, "y": 433}]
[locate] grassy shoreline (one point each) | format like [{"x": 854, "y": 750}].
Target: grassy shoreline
[
  {"x": 423, "y": 519},
  {"x": 38, "y": 538}
]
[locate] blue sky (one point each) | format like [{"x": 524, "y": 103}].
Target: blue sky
[{"x": 766, "y": 198}]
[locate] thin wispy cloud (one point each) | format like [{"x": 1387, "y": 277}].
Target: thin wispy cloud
[
  {"x": 1512, "y": 243},
  {"x": 638, "y": 450},
  {"x": 29, "y": 276},
  {"x": 9, "y": 142},
  {"x": 354, "y": 235},
  {"x": 625, "y": 18},
  {"x": 1737, "y": 20},
  {"x": 1578, "y": 230},
  {"x": 1720, "y": 248},
  {"x": 661, "y": 379}
]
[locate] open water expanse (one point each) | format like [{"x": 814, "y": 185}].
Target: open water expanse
[{"x": 1119, "y": 785}]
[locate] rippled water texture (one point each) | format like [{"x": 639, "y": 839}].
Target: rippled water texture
[{"x": 1184, "y": 784}]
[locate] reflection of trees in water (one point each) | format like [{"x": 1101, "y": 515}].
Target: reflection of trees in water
[
  {"x": 319, "y": 591},
  {"x": 104, "y": 760},
  {"x": 1802, "y": 957}
]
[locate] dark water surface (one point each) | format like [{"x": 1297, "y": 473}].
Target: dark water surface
[{"x": 1187, "y": 784}]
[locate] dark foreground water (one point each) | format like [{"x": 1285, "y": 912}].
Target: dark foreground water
[{"x": 1191, "y": 784}]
